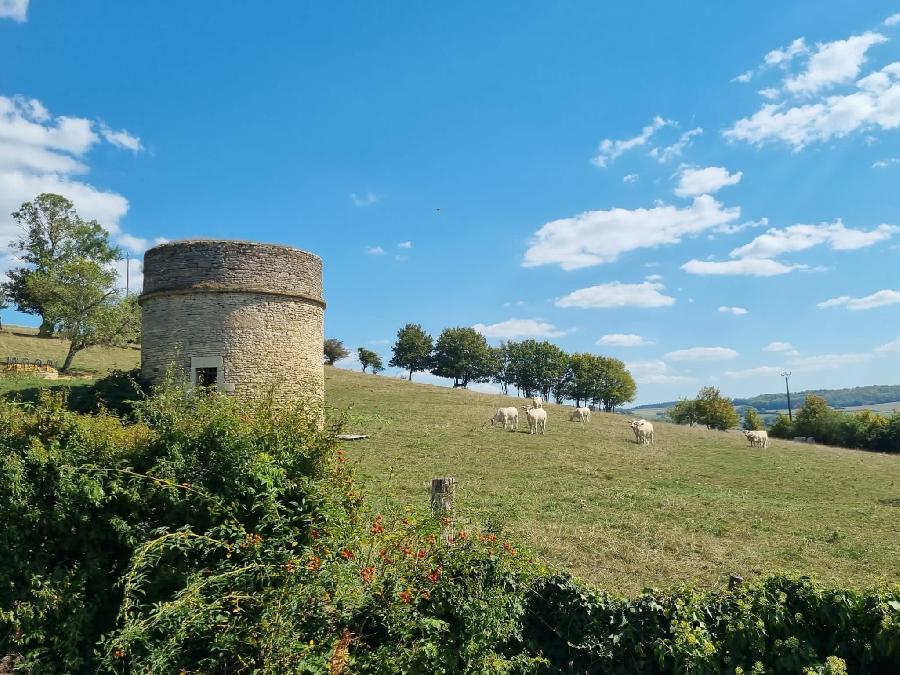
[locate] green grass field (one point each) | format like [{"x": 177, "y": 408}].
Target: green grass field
[
  {"x": 22, "y": 342},
  {"x": 693, "y": 507}
]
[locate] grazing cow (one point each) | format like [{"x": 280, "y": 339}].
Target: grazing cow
[
  {"x": 537, "y": 402},
  {"x": 758, "y": 439},
  {"x": 643, "y": 431},
  {"x": 506, "y": 416},
  {"x": 537, "y": 419},
  {"x": 581, "y": 415}
]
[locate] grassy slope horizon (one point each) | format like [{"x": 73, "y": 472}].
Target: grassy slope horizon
[{"x": 693, "y": 507}]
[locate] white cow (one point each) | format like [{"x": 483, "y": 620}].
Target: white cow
[
  {"x": 537, "y": 419},
  {"x": 758, "y": 439},
  {"x": 643, "y": 431},
  {"x": 581, "y": 415},
  {"x": 537, "y": 402},
  {"x": 506, "y": 416}
]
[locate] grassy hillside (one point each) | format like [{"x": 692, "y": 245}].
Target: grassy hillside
[
  {"x": 22, "y": 342},
  {"x": 693, "y": 507}
]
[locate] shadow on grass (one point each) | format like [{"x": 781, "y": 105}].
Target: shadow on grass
[{"x": 117, "y": 393}]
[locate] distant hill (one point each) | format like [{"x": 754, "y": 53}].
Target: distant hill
[{"x": 837, "y": 398}]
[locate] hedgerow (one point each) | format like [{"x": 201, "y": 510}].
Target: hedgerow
[{"x": 210, "y": 535}]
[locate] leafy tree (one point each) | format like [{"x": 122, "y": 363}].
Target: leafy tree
[
  {"x": 500, "y": 368},
  {"x": 817, "y": 419},
  {"x": 716, "y": 411},
  {"x": 752, "y": 420},
  {"x": 4, "y": 303},
  {"x": 615, "y": 385},
  {"x": 369, "y": 358},
  {"x": 413, "y": 348},
  {"x": 54, "y": 235},
  {"x": 686, "y": 411},
  {"x": 335, "y": 351},
  {"x": 81, "y": 304},
  {"x": 464, "y": 355},
  {"x": 537, "y": 367},
  {"x": 782, "y": 427},
  {"x": 583, "y": 373}
]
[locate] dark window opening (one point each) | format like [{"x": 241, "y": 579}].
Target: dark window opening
[{"x": 207, "y": 377}]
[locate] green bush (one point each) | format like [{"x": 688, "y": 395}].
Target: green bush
[{"x": 210, "y": 535}]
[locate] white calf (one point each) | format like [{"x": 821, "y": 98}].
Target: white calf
[
  {"x": 506, "y": 416},
  {"x": 537, "y": 419},
  {"x": 537, "y": 402},
  {"x": 758, "y": 439},
  {"x": 643, "y": 431},
  {"x": 581, "y": 415}
]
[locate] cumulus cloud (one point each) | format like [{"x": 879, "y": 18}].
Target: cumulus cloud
[
  {"x": 519, "y": 328},
  {"x": 892, "y": 20},
  {"x": 778, "y": 346},
  {"x": 737, "y": 311},
  {"x": 374, "y": 250},
  {"x": 17, "y": 10},
  {"x": 630, "y": 178},
  {"x": 746, "y": 267},
  {"x": 405, "y": 244},
  {"x": 885, "y": 163},
  {"x": 892, "y": 346},
  {"x": 656, "y": 371},
  {"x": 769, "y": 93},
  {"x": 757, "y": 258},
  {"x": 836, "y": 236},
  {"x": 597, "y": 237},
  {"x": 610, "y": 149},
  {"x": 39, "y": 153},
  {"x": 624, "y": 340},
  {"x": 617, "y": 294},
  {"x": 784, "y": 55},
  {"x": 706, "y": 181},
  {"x": 874, "y": 103},
  {"x": 670, "y": 152},
  {"x": 702, "y": 354},
  {"x": 121, "y": 139},
  {"x": 833, "y": 63},
  {"x": 367, "y": 199},
  {"x": 878, "y": 299}
]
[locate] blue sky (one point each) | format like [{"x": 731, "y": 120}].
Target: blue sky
[{"x": 709, "y": 193}]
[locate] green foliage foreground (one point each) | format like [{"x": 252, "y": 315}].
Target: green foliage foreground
[{"x": 207, "y": 536}]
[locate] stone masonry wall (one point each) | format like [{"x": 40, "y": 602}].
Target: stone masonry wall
[{"x": 256, "y": 306}]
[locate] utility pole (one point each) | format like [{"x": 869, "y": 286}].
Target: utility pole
[{"x": 787, "y": 376}]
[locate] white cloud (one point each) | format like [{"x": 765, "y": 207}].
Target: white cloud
[
  {"x": 17, "y": 10},
  {"x": 754, "y": 372},
  {"x": 706, "y": 181},
  {"x": 874, "y": 104},
  {"x": 892, "y": 20},
  {"x": 781, "y": 57},
  {"x": 670, "y": 152},
  {"x": 368, "y": 199},
  {"x": 702, "y": 354},
  {"x": 597, "y": 237},
  {"x": 885, "y": 163},
  {"x": 737, "y": 311},
  {"x": 405, "y": 244},
  {"x": 747, "y": 267},
  {"x": 829, "y": 361},
  {"x": 656, "y": 372},
  {"x": 892, "y": 346},
  {"x": 836, "y": 236},
  {"x": 610, "y": 149},
  {"x": 878, "y": 299},
  {"x": 769, "y": 93},
  {"x": 519, "y": 328},
  {"x": 734, "y": 229},
  {"x": 630, "y": 178},
  {"x": 833, "y": 63},
  {"x": 42, "y": 153},
  {"x": 374, "y": 250},
  {"x": 617, "y": 294},
  {"x": 624, "y": 340},
  {"x": 744, "y": 77},
  {"x": 121, "y": 139},
  {"x": 778, "y": 346},
  {"x": 654, "y": 277}
]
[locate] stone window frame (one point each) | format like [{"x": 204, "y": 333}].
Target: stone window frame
[{"x": 217, "y": 362}]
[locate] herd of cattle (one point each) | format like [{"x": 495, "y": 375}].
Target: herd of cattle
[{"x": 643, "y": 430}]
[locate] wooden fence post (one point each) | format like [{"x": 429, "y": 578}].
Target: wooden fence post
[{"x": 443, "y": 491}]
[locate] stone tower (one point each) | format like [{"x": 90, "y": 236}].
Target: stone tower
[{"x": 245, "y": 316}]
